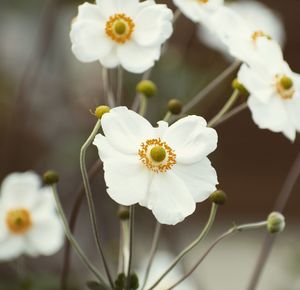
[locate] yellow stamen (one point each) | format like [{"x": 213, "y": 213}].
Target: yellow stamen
[
  {"x": 18, "y": 221},
  {"x": 203, "y": 1},
  {"x": 259, "y": 33},
  {"x": 119, "y": 28}
]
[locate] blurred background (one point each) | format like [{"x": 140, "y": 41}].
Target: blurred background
[{"x": 45, "y": 98}]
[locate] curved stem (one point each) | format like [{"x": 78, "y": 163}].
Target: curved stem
[
  {"x": 106, "y": 88},
  {"x": 230, "y": 102},
  {"x": 230, "y": 232},
  {"x": 192, "y": 245},
  {"x": 143, "y": 105},
  {"x": 167, "y": 116},
  {"x": 72, "y": 240},
  {"x": 152, "y": 253},
  {"x": 91, "y": 206},
  {"x": 131, "y": 236}
]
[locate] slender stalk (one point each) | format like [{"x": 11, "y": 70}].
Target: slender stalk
[
  {"x": 92, "y": 211},
  {"x": 280, "y": 205},
  {"x": 152, "y": 253},
  {"x": 84, "y": 259},
  {"x": 119, "y": 85},
  {"x": 177, "y": 14},
  {"x": 106, "y": 88},
  {"x": 131, "y": 230},
  {"x": 227, "y": 234},
  {"x": 211, "y": 86},
  {"x": 228, "y": 105},
  {"x": 143, "y": 105},
  {"x": 167, "y": 116},
  {"x": 192, "y": 245}
]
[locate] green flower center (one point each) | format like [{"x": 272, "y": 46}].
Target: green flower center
[{"x": 158, "y": 153}]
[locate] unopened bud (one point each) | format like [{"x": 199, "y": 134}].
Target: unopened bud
[
  {"x": 134, "y": 281},
  {"x": 123, "y": 213},
  {"x": 218, "y": 197},
  {"x": 101, "y": 110},
  {"x": 175, "y": 106},
  {"x": 120, "y": 282},
  {"x": 276, "y": 222},
  {"x": 50, "y": 177},
  {"x": 240, "y": 87},
  {"x": 147, "y": 88}
]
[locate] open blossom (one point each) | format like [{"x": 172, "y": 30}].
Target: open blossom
[
  {"x": 127, "y": 33},
  {"x": 274, "y": 91},
  {"x": 163, "y": 168},
  {"x": 28, "y": 220},
  {"x": 263, "y": 17},
  {"x": 198, "y": 10}
]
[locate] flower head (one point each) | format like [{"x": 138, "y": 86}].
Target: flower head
[
  {"x": 163, "y": 168},
  {"x": 28, "y": 221},
  {"x": 274, "y": 91},
  {"x": 127, "y": 33}
]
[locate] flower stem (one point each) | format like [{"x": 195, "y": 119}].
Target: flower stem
[
  {"x": 233, "y": 230},
  {"x": 91, "y": 206},
  {"x": 119, "y": 85},
  {"x": 230, "y": 102},
  {"x": 131, "y": 236},
  {"x": 192, "y": 245},
  {"x": 85, "y": 260},
  {"x": 167, "y": 116},
  {"x": 177, "y": 14},
  {"x": 152, "y": 253},
  {"x": 143, "y": 105},
  {"x": 106, "y": 88}
]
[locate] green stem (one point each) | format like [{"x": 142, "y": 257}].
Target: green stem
[
  {"x": 192, "y": 245},
  {"x": 167, "y": 116},
  {"x": 131, "y": 236},
  {"x": 143, "y": 105},
  {"x": 233, "y": 230},
  {"x": 119, "y": 85},
  {"x": 230, "y": 102},
  {"x": 89, "y": 196},
  {"x": 106, "y": 88},
  {"x": 84, "y": 259}
]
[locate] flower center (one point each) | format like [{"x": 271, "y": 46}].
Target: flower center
[
  {"x": 285, "y": 87},
  {"x": 157, "y": 155},
  {"x": 259, "y": 33},
  {"x": 119, "y": 28},
  {"x": 18, "y": 221},
  {"x": 202, "y": 1}
]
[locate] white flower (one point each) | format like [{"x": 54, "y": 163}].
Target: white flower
[
  {"x": 238, "y": 34},
  {"x": 263, "y": 17},
  {"x": 274, "y": 91},
  {"x": 161, "y": 262},
  {"x": 198, "y": 10},
  {"x": 163, "y": 168},
  {"x": 127, "y": 33},
  {"x": 28, "y": 220}
]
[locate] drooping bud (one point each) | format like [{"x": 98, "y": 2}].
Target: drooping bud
[
  {"x": 147, "y": 88},
  {"x": 240, "y": 88},
  {"x": 101, "y": 110},
  {"x": 175, "y": 106},
  {"x": 123, "y": 213},
  {"x": 218, "y": 197},
  {"x": 276, "y": 222},
  {"x": 50, "y": 177}
]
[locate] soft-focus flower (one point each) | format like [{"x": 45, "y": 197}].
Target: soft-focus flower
[
  {"x": 274, "y": 91},
  {"x": 161, "y": 262},
  {"x": 198, "y": 10},
  {"x": 263, "y": 17},
  {"x": 163, "y": 168},
  {"x": 115, "y": 32},
  {"x": 28, "y": 220},
  {"x": 238, "y": 34}
]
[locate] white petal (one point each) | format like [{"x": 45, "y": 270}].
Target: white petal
[
  {"x": 11, "y": 247},
  {"x": 110, "y": 60},
  {"x": 20, "y": 190},
  {"x": 200, "y": 178},
  {"x": 137, "y": 59},
  {"x": 293, "y": 109},
  {"x": 189, "y": 8},
  {"x": 169, "y": 199},
  {"x": 191, "y": 139},
  {"x": 126, "y": 130},
  {"x": 153, "y": 25},
  {"x": 89, "y": 41},
  {"x": 90, "y": 12}
]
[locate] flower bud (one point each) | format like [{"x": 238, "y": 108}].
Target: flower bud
[
  {"x": 175, "y": 106},
  {"x": 134, "y": 281},
  {"x": 101, "y": 110},
  {"x": 123, "y": 213},
  {"x": 218, "y": 197},
  {"x": 276, "y": 222},
  {"x": 240, "y": 87},
  {"x": 120, "y": 282},
  {"x": 147, "y": 88},
  {"x": 50, "y": 177}
]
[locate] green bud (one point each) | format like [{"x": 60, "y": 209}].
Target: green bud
[
  {"x": 240, "y": 87},
  {"x": 286, "y": 82},
  {"x": 175, "y": 106},
  {"x": 276, "y": 222},
  {"x": 120, "y": 282},
  {"x": 218, "y": 197},
  {"x": 50, "y": 177},
  {"x": 101, "y": 110},
  {"x": 147, "y": 88},
  {"x": 134, "y": 281},
  {"x": 123, "y": 213}
]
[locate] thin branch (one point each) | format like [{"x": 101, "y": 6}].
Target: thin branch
[{"x": 131, "y": 237}]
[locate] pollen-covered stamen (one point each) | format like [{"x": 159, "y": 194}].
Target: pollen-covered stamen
[
  {"x": 285, "y": 87},
  {"x": 157, "y": 155},
  {"x": 202, "y": 1},
  {"x": 119, "y": 28},
  {"x": 257, "y": 34},
  {"x": 18, "y": 221}
]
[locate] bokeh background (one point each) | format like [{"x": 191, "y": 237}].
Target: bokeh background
[{"x": 45, "y": 98}]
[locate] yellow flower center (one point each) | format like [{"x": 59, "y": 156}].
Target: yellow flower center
[
  {"x": 18, "y": 221},
  {"x": 119, "y": 28},
  {"x": 285, "y": 87},
  {"x": 257, "y": 34},
  {"x": 157, "y": 155},
  {"x": 202, "y": 1}
]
